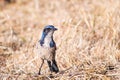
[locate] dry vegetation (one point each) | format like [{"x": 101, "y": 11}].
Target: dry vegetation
[{"x": 88, "y": 39}]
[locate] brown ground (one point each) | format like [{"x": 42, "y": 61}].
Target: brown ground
[{"x": 88, "y": 39}]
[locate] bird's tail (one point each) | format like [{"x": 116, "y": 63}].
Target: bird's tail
[{"x": 53, "y": 66}]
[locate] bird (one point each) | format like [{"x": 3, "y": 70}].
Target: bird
[{"x": 46, "y": 48}]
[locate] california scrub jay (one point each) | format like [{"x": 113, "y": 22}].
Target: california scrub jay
[{"x": 46, "y": 47}]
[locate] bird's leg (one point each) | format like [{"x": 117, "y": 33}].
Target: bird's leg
[{"x": 41, "y": 67}]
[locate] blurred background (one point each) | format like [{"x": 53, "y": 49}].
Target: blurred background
[{"x": 88, "y": 38}]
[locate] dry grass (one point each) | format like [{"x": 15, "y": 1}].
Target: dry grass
[{"x": 88, "y": 39}]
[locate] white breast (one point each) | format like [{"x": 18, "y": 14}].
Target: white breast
[
  {"x": 47, "y": 40},
  {"x": 45, "y": 52}
]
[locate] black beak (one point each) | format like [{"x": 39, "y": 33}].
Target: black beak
[{"x": 55, "y": 29}]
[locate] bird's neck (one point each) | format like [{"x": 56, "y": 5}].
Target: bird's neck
[
  {"x": 47, "y": 41},
  {"x": 48, "y": 37}
]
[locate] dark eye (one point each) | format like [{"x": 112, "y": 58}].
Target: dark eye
[{"x": 47, "y": 30}]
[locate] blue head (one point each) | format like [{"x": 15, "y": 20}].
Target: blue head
[{"x": 48, "y": 32}]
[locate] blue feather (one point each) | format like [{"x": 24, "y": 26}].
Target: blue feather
[
  {"x": 42, "y": 38},
  {"x": 52, "y": 44},
  {"x": 44, "y": 34}
]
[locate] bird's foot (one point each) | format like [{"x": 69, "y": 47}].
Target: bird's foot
[
  {"x": 39, "y": 73},
  {"x": 51, "y": 76}
]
